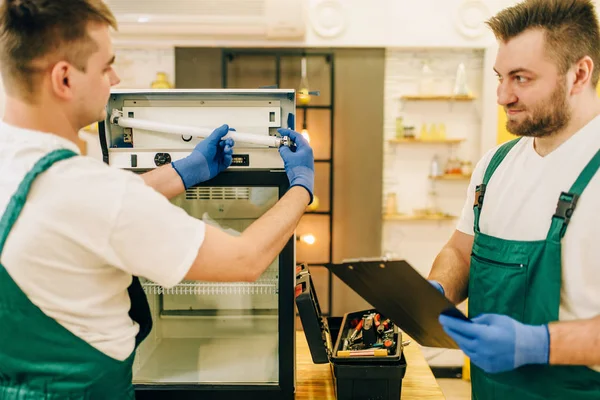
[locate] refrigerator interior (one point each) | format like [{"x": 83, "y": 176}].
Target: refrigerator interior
[{"x": 212, "y": 332}]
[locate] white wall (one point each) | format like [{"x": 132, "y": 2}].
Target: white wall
[
  {"x": 357, "y": 23},
  {"x": 406, "y": 23}
]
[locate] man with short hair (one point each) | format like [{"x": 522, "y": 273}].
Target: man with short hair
[
  {"x": 74, "y": 231},
  {"x": 526, "y": 248}
]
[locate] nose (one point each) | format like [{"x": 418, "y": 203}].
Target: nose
[
  {"x": 505, "y": 94},
  {"x": 114, "y": 78}
]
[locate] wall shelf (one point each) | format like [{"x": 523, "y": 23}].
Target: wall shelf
[
  {"x": 426, "y": 141},
  {"x": 437, "y": 98},
  {"x": 314, "y": 106},
  {"x": 451, "y": 177},
  {"x": 412, "y": 217}
]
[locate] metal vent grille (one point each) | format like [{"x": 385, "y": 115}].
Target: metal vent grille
[
  {"x": 208, "y": 289},
  {"x": 217, "y": 193},
  {"x": 201, "y": 8}
]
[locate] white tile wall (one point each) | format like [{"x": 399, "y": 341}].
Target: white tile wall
[{"x": 407, "y": 166}]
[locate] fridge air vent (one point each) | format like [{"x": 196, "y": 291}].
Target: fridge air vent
[{"x": 217, "y": 193}]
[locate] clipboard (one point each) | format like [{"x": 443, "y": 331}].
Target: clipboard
[{"x": 401, "y": 293}]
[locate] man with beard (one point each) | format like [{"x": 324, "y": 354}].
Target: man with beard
[{"x": 526, "y": 250}]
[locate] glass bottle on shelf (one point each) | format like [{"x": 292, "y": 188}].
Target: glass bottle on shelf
[
  {"x": 453, "y": 166},
  {"x": 460, "y": 83},
  {"x": 435, "y": 168},
  {"x": 426, "y": 83},
  {"x": 467, "y": 168},
  {"x": 303, "y": 91}
]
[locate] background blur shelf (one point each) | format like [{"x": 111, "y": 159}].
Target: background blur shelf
[
  {"x": 413, "y": 217},
  {"x": 451, "y": 177},
  {"x": 314, "y": 106},
  {"x": 426, "y": 141},
  {"x": 437, "y": 98}
]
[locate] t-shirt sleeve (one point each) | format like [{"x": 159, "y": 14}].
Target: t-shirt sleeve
[
  {"x": 467, "y": 218},
  {"x": 153, "y": 238}
]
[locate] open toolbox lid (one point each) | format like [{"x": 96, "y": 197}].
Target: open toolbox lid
[
  {"x": 397, "y": 290},
  {"x": 315, "y": 326}
]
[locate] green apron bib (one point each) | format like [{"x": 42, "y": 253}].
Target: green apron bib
[
  {"x": 523, "y": 280},
  {"x": 39, "y": 358}
]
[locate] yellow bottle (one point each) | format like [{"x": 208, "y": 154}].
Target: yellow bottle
[
  {"x": 161, "y": 82},
  {"x": 424, "y": 135},
  {"x": 442, "y": 131},
  {"x": 433, "y": 132}
]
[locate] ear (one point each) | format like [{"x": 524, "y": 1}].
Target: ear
[
  {"x": 582, "y": 74},
  {"x": 61, "y": 80}
]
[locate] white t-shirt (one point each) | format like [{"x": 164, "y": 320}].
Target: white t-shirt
[
  {"x": 86, "y": 228},
  {"x": 521, "y": 198}
]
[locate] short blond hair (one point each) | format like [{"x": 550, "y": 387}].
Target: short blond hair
[
  {"x": 570, "y": 27},
  {"x": 31, "y": 30}
]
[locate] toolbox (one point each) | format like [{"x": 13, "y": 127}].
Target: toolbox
[{"x": 364, "y": 348}]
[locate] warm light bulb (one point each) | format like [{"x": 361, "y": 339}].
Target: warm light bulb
[
  {"x": 309, "y": 239},
  {"x": 304, "y": 134}
]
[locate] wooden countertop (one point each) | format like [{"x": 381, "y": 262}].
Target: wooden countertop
[{"x": 314, "y": 381}]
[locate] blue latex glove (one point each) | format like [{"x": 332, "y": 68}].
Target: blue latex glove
[
  {"x": 299, "y": 164},
  {"x": 438, "y": 286},
  {"x": 498, "y": 343},
  {"x": 211, "y": 156}
]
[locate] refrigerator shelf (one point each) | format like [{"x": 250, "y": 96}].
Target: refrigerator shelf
[{"x": 267, "y": 286}]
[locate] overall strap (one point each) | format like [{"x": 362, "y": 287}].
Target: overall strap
[
  {"x": 568, "y": 201},
  {"x": 17, "y": 201},
  {"x": 491, "y": 168}
]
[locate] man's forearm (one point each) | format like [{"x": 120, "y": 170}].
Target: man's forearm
[
  {"x": 164, "y": 180},
  {"x": 452, "y": 272},
  {"x": 575, "y": 342},
  {"x": 268, "y": 235}
]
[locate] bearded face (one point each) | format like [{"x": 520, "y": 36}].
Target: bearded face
[{"x": 541, "y": 118}]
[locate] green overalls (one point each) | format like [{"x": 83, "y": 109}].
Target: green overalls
[
  {"x": 523, "y": 280},
  {"x": 39, "y": 358}
]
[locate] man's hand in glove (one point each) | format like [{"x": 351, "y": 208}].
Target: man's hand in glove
[{"x": 498, "y": 343}]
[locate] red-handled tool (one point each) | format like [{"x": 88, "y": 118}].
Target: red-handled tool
[{"x": 356, "y": 330}]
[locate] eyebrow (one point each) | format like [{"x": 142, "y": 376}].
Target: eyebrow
[{"x": 515, "y": 71}]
